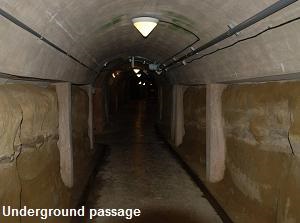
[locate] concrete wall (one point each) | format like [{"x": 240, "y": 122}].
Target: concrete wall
[
  {"x": 262, "y": 133},
  {"x": 110, "y": 95},
  {"x": 99, "y": 120},
  {"x": 118, "y": 93},
  {"x": 262, "y": 178},
  {"x": 81, "y": 29},
  {"x": 83, "y": 154},
  {"x": 194, "y": 125},
  {"x": 166, "y": 110},
  {"x": 29, "y": 166},
  {"x": 29, "y": 156}
]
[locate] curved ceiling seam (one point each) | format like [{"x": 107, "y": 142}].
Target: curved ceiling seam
[
  {"x": 83, "y": 22},
  {"x": 174, "y": 55}
]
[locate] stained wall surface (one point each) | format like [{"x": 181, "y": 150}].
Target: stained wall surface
[
  {"x": 166, "y": 111},
  {"x": 194, "y": 127},
  {"x": 84, "y": 156},
  {"x": 99, "y": 110},
  {"x": 29, "y": 156},
  {"x": 30, "y": 173},
  {"x": 261, "y": 182}
]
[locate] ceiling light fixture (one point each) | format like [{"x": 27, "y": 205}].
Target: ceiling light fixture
[
  {"x": 138, "y": 75},
  {"x": 113, "y": 75},
  {"x": 145, "y": 25},
  {"x": 136, "y": 70}
]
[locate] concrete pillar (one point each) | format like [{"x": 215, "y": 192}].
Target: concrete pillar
[
  {"x": 173, "y": 113},
  {"x": 90, "y": 91},
  {"x": 215, "y": 140},
  {"x": 179, "y": 119},
  {"x": 177, "y": 131},
  {"x": 106, "y": 103},
  {"x": 65, "y": 146},
  {"x": 160, "y": 99}
]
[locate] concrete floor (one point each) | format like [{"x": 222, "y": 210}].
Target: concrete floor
[{"x": 141, "y": 173}]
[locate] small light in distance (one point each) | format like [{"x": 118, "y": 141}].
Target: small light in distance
[
  {"x": 140, "y": 83},
  {"x": 144, "y": 84},
  {"x": 139, "y": 75},
  {"x": 136, "y": 70},
  {"x": 113, "y": 75}
]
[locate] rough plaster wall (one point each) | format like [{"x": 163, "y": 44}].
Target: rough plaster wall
[
  {"x": 10, "y": 120},
  {"x": 194, "y": 123},
  {"x": 29, "y": 156},
  {"x": 262, "y": 130},
  {"x": 261, "y": 182},
  {"x": 165, "y": 122},
  {"x": 113, "y": 94},
  {"x": 81, "y": 144},
  {"x": 30, "y": 176},
  {"x": 99, "y": 110},
  {"x": 118, "y": 91}
]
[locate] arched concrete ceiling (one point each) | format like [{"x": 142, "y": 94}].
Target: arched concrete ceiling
[{"x": 96, "y": 31}]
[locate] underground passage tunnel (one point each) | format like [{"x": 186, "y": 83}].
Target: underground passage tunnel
[{"x": 149, "y": 111}]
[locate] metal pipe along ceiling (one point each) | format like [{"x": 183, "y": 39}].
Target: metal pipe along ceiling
[
  {"x": 42, "y": 38},
  {"x": 277, "y": 6}
]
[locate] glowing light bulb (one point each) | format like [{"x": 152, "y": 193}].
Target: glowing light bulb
[{"x": 136, "y": 70}]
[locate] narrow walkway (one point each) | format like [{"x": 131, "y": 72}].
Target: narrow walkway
[{"x": 141, "y": 173}]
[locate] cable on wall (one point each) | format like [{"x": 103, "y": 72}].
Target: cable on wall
[{"x": 188, "y": 46}]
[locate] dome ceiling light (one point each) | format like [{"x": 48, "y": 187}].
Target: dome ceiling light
[{"x": 145, "y": 25}]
